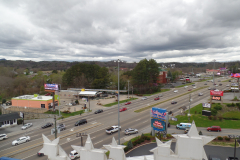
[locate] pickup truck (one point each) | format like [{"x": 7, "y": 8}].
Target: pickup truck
[
  {"x": 113, "y": 129},
  {"x": 232, "y": 158}
]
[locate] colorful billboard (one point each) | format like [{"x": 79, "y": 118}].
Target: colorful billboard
[
  {"x": 216, "y": 93},
  {"x": 158, "y": 119},
  {"x": 235, "y": 75},
  {"x": 53, "y": 87},
  {"x": 217, "y": 98},
  {"x": 206, "y": 105}
]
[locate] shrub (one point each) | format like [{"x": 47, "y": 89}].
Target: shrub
[
  {"x": 169, "y": 136},
  {"x": 200, "y": 133},
  {"x": 134, "y": 143},
  {"x": 4, "y": 101},
  {"x": 220, "y": 138},
  {"x": 214, "y": 112},
  {"x": 227, "y": 138},
  {"x": 220, "y": 118},
  {"x": 215, "y": 118},
  {"x": 19, "y": 121},
  {"x": 148, "y": 138},
  {"x": 238, "y": 104},
  {"x": 210, "y": 117},
  {"x": 229, "y": 105},
  {"x": 126, "y": 149},
  {"x": 218, "y": 107},
  {"x": 199, "y": 112},
  {"x": 233, "y": 104},
  {"x": 195, "y": 112},
  {"x": 139, "y": 141},
  {"x": 130, "y": 145}
]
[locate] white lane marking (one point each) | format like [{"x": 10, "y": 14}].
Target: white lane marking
[
  {"x": 110, "y": 112},
  {"x": 145, "y": 121},
  {"x": 98, "y": 142},
  {"x": 90, "y": 118},
  {"x": 93, "y": 137},
  {"x": 93, "y": 122},
  {"x": 138, "y": 119}
]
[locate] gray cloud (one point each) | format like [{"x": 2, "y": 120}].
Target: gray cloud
[{"x": 178, "y": 30}]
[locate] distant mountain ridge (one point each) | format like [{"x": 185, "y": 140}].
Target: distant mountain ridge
[{"x": 3, "y": 59}]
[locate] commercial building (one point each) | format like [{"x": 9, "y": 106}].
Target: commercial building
[
  {"x": 162, "y": 78},
  {"x": 35, "y": 101},
  {"x": 212, "y": 71},
  {"x": 7, "y": 120}
]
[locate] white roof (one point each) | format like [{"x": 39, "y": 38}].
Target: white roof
[
  {"x": 88, "y": 93},
  {"x": 31, "y": 97}
]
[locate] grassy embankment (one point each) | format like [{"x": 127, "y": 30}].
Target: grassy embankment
[{"x": 114, "y": 103}]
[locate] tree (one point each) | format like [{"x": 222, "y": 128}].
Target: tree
[
  {"x": 130, "y": 145},
  {"x": 55, "y": 71}
]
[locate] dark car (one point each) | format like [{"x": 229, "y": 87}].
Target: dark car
[
  {"x": 213, "y": 158},
  {"x": 173, "y": 102},
  {"x": 98, "y": 111},
  {"x": 47, "y": 125},
  {"x": 220, "y": 84},
  {"x": 205, "y": 84},
  {"x": 60, "y": 127},
  {"x": 80, "y": 122},
  {"x": 40, "y": 154}
]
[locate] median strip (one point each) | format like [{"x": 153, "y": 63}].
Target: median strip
[{"x": 145, "y": 108}]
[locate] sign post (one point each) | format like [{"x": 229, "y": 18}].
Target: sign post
[{"x": 159, "y": 120}]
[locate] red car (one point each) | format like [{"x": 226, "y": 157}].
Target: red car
[
  {"x": 127, "y": 103},
  {"x": 157, "y": 98},
  {"x": 48, "y": 94},
  {"x": 214, "y": 128},
  {"x": 189, "y": 89},
  {"x": 122, "y": 109}
]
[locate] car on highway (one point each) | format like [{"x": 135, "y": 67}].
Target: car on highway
[
  {"x": 227, "y": 85},
  {"x": 186, "y": 130},
  {"x": 74, "y": 154},
  {"x": 98, "y": 111},
  {"x": 122, "y": 109},
  {"x": 214, "y": 128},
  {"x": 127, "y": 103},
  {"x": 27, "y": 125},
  {"x": 193, "y": 84},
  {"x": 80, "y": 122},
  {"x": 3, "y": 136},
  {"x": 175, "y": 91},
  {"x": 47, "y": 125},
  {"x": 200, "y": 94},
  {"x": 174, "y": 102},
  {"x": 21, "y": 140},
  {"x": 189, "y": 89},
  {"x": 144, "y": 98},
  {"x": 220, "y": 84},
  {"x": 40, "y": 154},
  {"x": 183, "y": 125},
  {"x": 194, "y": 87},
  {"x": 185, "y": 86},
  {"x": 60, "y": 127},
  {"x": 129, "y": 131},
  {"x": 205, "y": 83},
  {"x": 160, "y": 95},
  {"x": 216, "y": 85},
  {"x": 157, "y": 98},
  {"x": 113, "y": 129}
]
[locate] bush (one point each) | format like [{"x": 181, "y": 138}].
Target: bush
[
  {"x": 210, "y": 117},
  {"x": 214, "y": 112},
  {"x": 218, "y": 107},
  {"x": 229, "y": 105},
  {"x": 134, "y": 143},
  {"x": 19, "y": 121},
  {"x": 148, "y": 138},
  {"x": 199, "y": 112},
  {"x": 233, "y": 104},
  {"x": 126, "y": 149},
  {"x": 215, "y": 118},
  {"x": 130, "y": 145},
  {"x": 169, "y": 136},
  {"x": 227, "y": 138},
  {"x": 220, "y": 138},
  {"x": 238, "y": 104},
  {"x": 4, "y": 101},
  {"x": 220, "y": 118},
  {"x": 200, "y": 133}
]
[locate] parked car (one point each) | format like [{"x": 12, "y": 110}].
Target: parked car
[
  {"x": 157, "y": 98},
  {"x": 189, "y": 89},
  {"x": 216, "y": 85},
  {"x": 210, "y": 157},
  {"x": 80, "y": 122},
  {"x": 21, "y": 140},
  {"x": 113, "y": 129},
  {"x": 229, "y": 81},
  {"x": 183, "y": 125},
  {"x": 74, "y": 154},
  {"x": 209, "y": 88},
  {"x": 174, "y": 102},
  {"x": 127, "y": 103},
  {"x": 3, "y": 136},
  {"x": 27, "y": 125},
  {"x": 122, "y": 109},
  {"x": 200, "y": 94},
  {"x": 40, "y": 154},
  {"x": 175, "y": 91},
  {"x": 219, "y": 80},
  {"x": 144, "y": 98},
  {"x": 47, "y": 125},
  {"x": 232, "y": 158},
  {"x": 129, "y": 131},
  {"x": 185, "y": 86},
  {"x": 98, "y": 111},
  {"x": 214, "y": 128}
]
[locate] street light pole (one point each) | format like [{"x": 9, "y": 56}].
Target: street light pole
[
  {"x": 128, "y": 88},
  {"x": 118, "y": 107},
  {"x": 213, "y": 72},
  {"x": 189, "y": 108}
]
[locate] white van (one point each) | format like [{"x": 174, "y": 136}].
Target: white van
[{"x": 183, "y": 125}]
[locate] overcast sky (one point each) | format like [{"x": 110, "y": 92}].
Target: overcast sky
[{"x": 103, "y": 30}]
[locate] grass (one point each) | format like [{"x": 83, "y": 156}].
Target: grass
[
  {"x": 232, "y": 114},
  {"x": 133, "y": 139},
  {"x": 114, "y": 103},
  {"x": 227, "y": 80},
  {"x": 231, "y": 144},
  {"x": 162, "y": 90},
  {"x": 145, "y": 108},
  {"x": 204, "y": 80},
  {"x": 66, "y": 115},
  {"x": 203, "y": 121},
  {"x": 187, "y": 84}
]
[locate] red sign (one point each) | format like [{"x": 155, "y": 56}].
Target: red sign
[
  {"x": 218, "y": 98},
  {"x": 216, "y": 93}
]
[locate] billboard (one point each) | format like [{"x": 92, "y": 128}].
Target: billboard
[
  {"x": 53, "y": 87},
  {"x": 206, "y": 105},
  {"x": 216, "y": 93},
  {"x": 217, "y": 98},
  {"x": 158, "y": 119},
  {"x": 235, "y": 75}
]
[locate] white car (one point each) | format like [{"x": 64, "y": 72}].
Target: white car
[
  {"x": 194, "y": 87},
  {"x": 144, "y": 98},
  {"x": 3, "y": 136},
  {"x": 28, "y": 125},
  {"x": 113, "y": 129},
  {"x": 129, "y": 131},
  {"x": 74, "y": 154},
  {"x": 227, "y": 85},
  {"x": 175, "y": 91},
  {"x": 21, "y": 140},
  {"x": 185, "y": 86}
]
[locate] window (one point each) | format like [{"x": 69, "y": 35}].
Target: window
[
  {"x": 11, "y": 121},
  {"x": 42, "y": 105}
]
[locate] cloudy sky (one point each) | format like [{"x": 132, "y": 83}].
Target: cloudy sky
[{"x": 103, "y": 30}]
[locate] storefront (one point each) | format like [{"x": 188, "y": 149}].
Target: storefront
[{"x": 7, "y": 120}]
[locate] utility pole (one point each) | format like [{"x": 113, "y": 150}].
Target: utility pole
[
  {"x": 132, "y": 91},
  {"x": 189, "y": 108},
  {"x": 81, "y": 136},
  {"x": 55, "y": 127},
  {"x": 213, "y": 72},
  {"x": 118, "y": 107},
  {"x": 89, "y": 102},
  {"x": 128, "y": 88}
]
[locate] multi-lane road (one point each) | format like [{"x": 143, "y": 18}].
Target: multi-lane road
[{"x": 97, "y": 123}]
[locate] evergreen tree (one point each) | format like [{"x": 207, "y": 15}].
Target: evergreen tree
[{"x": 130, "y": 145}]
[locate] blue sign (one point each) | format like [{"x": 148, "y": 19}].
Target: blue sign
[
  {"x": 158, "y": 119},
  {"x": 51, "y": 87}
]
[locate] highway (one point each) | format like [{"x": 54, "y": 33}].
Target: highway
[{"x": 97, "y": 123}]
